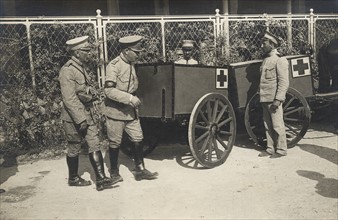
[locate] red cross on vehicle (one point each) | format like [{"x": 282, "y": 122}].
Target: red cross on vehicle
[
  {"x": 221, "y": 78},
  {"x": 301, "y": 67}
]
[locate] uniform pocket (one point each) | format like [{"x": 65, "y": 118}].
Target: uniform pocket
[
  {"x": 80, "y": 81},
  {"x": 80, "y": 85},
  {"x": 270, "y": 73}
]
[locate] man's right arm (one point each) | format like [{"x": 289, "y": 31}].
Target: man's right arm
[{"x": 112, "y": 92}]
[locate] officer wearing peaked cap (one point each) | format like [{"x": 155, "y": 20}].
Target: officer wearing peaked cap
[
  {"x": 121, "y": 107},
  {"x": 132, "y": 42},
  {"x": 274, "y": 39},
  {"x": 78, "y": 43},
  {"x": 187, "y": 47},
  {"x": 76, "y": 114},
  {"x": 274, "y": 83}
]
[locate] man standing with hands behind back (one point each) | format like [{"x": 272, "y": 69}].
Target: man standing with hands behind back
[
  {"x": 274, "y": 84},
  {"x": 121, "y": 107}
]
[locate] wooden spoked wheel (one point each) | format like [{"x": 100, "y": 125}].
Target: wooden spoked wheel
[
  {"x": 297, "y": 116},
  {"x": 212, "y": 130}
]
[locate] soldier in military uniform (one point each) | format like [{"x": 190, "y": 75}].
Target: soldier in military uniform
[
  {"x": 78, "y": 96},
  {"x": 274, "y": 84},
  {"x": 121, "y": 107},
  {"x": 187, "y": 47}
]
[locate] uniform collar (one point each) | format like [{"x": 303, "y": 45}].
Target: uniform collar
[
  {"x": 77, "y": 61},
  {"x": 273, "y": 52},
  {"x": 124, "y": 58}
]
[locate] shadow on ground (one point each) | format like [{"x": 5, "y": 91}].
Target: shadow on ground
[
  {"x": 8, "y": 168},
  {"x": 327, "y": 187},
  {"x": 323, "y": 152}
]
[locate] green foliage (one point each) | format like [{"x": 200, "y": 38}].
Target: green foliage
[
  {"x": 14, "y": 61},
  {"x": 243, "y": 41},
  {"x": 201, "y": 32},
  {"x": 30, "y": 112},
  {"x": 30, "y": 124}
]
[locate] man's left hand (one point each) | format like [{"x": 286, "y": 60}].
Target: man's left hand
[{"x": 274, "y": 106}]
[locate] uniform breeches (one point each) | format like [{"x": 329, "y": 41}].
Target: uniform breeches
[
  {"x": 75, "y": 139},
  {"x": 115, "y": 130},
  {"x": 274, "y": 129}
]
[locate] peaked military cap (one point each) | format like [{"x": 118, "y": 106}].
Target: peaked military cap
[
  {"x": 132, "y": 42},
  {"x": 271, "y": 37},
  {"x": 78, "y": 43},
  {"x": 187, "y": 43}
]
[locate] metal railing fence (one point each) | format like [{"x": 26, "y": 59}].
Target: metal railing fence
[{"x": 33, "y": 49}]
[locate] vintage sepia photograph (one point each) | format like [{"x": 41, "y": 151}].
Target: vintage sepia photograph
[{"x": 168, "y": 109}]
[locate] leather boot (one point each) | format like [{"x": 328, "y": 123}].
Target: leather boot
[
  {"x": 114, "y": 170},
  {"x": 102, "y": 182},
  {"x": 74, "y": 179},
  {"x": 140, "y": 172}
]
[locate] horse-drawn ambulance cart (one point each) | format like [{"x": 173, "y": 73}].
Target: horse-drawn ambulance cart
[{"x": 209, "y": 99}]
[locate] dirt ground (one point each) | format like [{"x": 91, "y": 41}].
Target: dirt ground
[{"x": 302, "y": 185}]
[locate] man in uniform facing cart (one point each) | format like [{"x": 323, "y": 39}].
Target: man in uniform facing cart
[
  {"x": 274, "y": 84},
  {"x": 121, "y": 108}
]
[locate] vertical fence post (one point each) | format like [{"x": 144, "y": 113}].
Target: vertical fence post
[
  {"x": 266, "y": 18},
  {"x": 289, "y": 30},
  {"x": 217, "y": 22},
  {"x": 30, "y": 54},
  {"x": 312, "y": 31},
  {"x": 225, "y": 32},
  {"x": 163, "y": 40},
  {"x": 101, "y": 75}
]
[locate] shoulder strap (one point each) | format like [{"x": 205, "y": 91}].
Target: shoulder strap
[{"x": 84, "y": 73}]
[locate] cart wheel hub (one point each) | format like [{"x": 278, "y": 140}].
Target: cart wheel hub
[{"x": 213, "y": 129}]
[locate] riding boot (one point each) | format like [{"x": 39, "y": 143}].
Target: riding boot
[
  {"x": 114, "y": 169},
  {"x": 74, "y": 179},
  {"x": 102, "y": 182},
  {"x": 140, "y": 172}
]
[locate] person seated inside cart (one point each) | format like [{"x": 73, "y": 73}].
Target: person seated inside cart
[
  {"x": 178, "y": 54},
  {"x": 188, "y": 49}
]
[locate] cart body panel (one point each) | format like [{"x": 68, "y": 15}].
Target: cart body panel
[
  {"x": 167, "y": 90},
  {"x": 300, "y": 75},
  {"x": 192, "y": 82},
  {"x": 155, "y": 90}
]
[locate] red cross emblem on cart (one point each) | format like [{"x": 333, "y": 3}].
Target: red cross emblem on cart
[
  {"x": 221, "y": 78},
  {"x": 300, "y": 67}
]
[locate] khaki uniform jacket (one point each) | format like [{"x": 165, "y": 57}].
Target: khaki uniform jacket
[
  {"x": 73, "y": 81},
  {"x": 274, "y": 80},
  {"x": 117, "y": 102}
]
